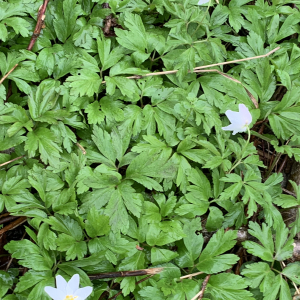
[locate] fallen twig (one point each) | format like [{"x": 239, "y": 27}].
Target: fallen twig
[
  {"x": 8, "y": 162},
  {"x": 191, "y": 275},
  {"x": 13, "y": 224},
  {"x": 264, "y": 154},
  {"x": 200, "y": 295},
  {"x": 39, "y": 24},
  {"x": 202, "y": 67},
  {"x": 7, "y": 219},
  {"x": 35, "y": 35},
  {"x": 7, "y": 74},
  {"x": 81, "y": 148},
  {"x": 142, "y": 272},
  {"x": 4, "y": 215},
  {"x": 289, "y": 192},
  {"x": 282, "y": 164},
  {"x": 238, "y": 60}
]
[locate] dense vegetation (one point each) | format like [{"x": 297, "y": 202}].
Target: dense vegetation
[{"x": 104, "y": 173}]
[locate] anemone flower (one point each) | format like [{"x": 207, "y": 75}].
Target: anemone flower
[
  {"x": 68, "y": 290},
  {"x": 203, "y": 2},
  {"x": 239, "y": 120}
]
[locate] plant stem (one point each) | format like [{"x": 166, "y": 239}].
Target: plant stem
[{"x": 237, "y": 162}]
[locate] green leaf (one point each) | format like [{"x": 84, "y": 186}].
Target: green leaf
[
  {"x": 264, "y": 235},
  {"x": 127, "y": 86},
  {"x": 112, "y": 108},
  {"x": 30, "y": 255},
  {"x": 278, "y": 286},
  {"x": 11, "y": 9},
  {"x": 288, "y": 27},
  {"x": 283, "y": 245},
  {"x": 134, "y": 262},
  {"x": 95, "y": 115},
  {"x": 107, "y": 57},
  {"x": 152, "y": 214},
  {"x": 7, "y": 142},
  {"x": 2, "y": 88},
  {"x": 46, "y": 237},
  {"x": 19, "y": 25},
  {"x": 201, "y": 184},
  {"x": 43, "y": 140},
  {"x": 292, "y": 272},
  {"x": 235, "y": 10},
  {"x": 259, "y": 275},
  {"x": 67, "y": 136},
  {"x": 72, "y": 247},
  {"x": 215, "y": 219},
  {"x": 42, "y": 103},
  {"x": 96, "y": 224},
  {"x": 159, "y": 256},
  {"x": 104, "y": 143},
  {"x": 210, "y": 260},
  {"x": 66, "y": 225},
  {"x": 135, "y": 39},
  {"x": 186, "y": 62},
  {"x": 15, "y": 185},
  {"x": 166, "y": 205},
  {"x": 31, "y": 278},
  {"x": 86, "y": 82},
  {"x": 6, "y": 282},
  {"x": 164, "y": 232},
  {"x": 193, "y": 243},
  {"x": 118, "y": 196},
  {"x": 145, "y": 166},
  {"x": 124, "y": 197},
  {"x": 46, "y": 60},
  {"x": 164, "y": 122},
  {"x": 228, "y": 287},
  {"x": 66, "y": 14},
  {"x": 19, "y": 118},
  {"x": 151, "y": 292}
]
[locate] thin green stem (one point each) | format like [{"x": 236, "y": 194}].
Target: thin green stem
[
  {"x": 237, "y": 162},
  {"x": 199, "y": 24},
  {"x": 157, "y": 58},
  {"x": 141, "y": 100},
  {"x": 202, "y": 41},
  {"x": 275, "y": 270},
  {"x": 275, "y": 161},
  {"x": 187, "y": 117},
  {"x": 152, "y": 60}
]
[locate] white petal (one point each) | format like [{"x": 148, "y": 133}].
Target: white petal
[
  {"x": 234, "y": 117},
  {"x": 235, "y": 128},
  {"x": 55, "y": 294},
  {"x": 83, "y": 293},
  {"x": 203, "y": 2},
  {"x": 61, "y": 283},
  {"x": 73, "y": 284},
  {"x": 245, "y": 113}
]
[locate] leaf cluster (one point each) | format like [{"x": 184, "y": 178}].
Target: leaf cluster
[{"x": 118, "y": 174}]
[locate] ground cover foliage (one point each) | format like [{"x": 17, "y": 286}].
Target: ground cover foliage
[{"x": 132, "y": 174}]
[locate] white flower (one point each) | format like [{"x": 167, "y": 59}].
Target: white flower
[
  {"x": 68, "y": 290},
  {"x": 203, "y": 2},
  {"x": 239, "y": 120}
]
